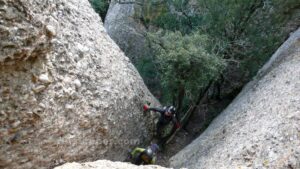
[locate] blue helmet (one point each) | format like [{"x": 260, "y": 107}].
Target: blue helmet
[{"x": 154, "y": 147}]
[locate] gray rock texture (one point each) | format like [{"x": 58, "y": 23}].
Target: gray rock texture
[
  {"x": 67, "y": 92},
  {"x": 105, "y": 164},
  {"x": 261, "y": 127},
  {"x": 123, "y": 24}
]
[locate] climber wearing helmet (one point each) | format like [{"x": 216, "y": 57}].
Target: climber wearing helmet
[
  {"x": 167, "y": 114},
  {"x": 144, "y": 156}
]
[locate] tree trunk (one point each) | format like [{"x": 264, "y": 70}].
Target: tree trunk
[{"x": 180, "y": 98}]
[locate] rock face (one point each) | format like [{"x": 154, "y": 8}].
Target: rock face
[
  {"x": 105, "y": 164},
  {"x": 261, "y": 127},
  {"x": 67, "y": 92},
  {"x": 123, "y": 24}
]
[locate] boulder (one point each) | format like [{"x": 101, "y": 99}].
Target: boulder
[
  {"x": 105, "y": 164},
  {"x": 123, "y": 24},
  {"x": 67, "y": 92}
]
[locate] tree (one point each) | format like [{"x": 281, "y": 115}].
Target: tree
[
  {"x": 185, "y": 65},
  {"x": 249, "y": 30}
]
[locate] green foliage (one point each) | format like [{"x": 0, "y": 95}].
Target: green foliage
[
  {"x": 101, "y": 7},
  {"x": 148, "y": 70},
  {"x": 152, "y": 9},
  {"x": 250, "y": 30},
  {"x": 204, "y": 41},
  {"x": 184, "y": 63},
  {"x": 167, "y": 21},
  {"x": 198, "y": 40},
  {"x": 173, "y": 15},
  {"x": 245, "y": 31}
]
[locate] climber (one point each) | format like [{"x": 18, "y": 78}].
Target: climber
[
  {"x": 144, "y": 156},
  {"x": 167, "y": 114}
]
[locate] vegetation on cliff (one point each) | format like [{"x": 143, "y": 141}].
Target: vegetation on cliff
[
  {"x": 199, "y": 44},
  {"x": 241, "y": 36}
]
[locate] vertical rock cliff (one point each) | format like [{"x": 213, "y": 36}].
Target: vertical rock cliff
[
  {"x": 124, "y": 26},
  {"x": 67, "y": 92}
]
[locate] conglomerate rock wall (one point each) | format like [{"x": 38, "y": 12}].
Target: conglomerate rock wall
[{"x": 67, "y": 92}]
